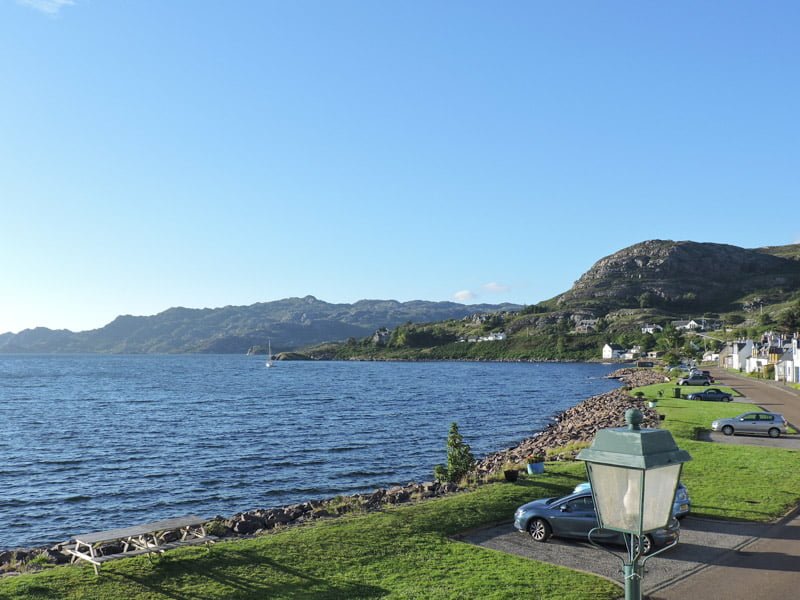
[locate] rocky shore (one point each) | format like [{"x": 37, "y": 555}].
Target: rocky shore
[
  {"x": 570, "y": 431},
  {"x": 576, "y": 427}
]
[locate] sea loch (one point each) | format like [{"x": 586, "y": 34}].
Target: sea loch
[{"x": 93, "y": 442}]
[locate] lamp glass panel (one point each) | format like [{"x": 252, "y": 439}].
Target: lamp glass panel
[
  {"x": 617, "y": 493},
  {"x": 659, "y": 495}
]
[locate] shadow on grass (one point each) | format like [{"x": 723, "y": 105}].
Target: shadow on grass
[{"x": 242, "y": 574}]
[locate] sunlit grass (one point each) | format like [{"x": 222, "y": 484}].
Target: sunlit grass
[
  {"x": 725, "y": 480},
  {"x": 400, "y": 553}
]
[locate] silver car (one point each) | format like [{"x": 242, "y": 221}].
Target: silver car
[{"x": 773, "y": 424}]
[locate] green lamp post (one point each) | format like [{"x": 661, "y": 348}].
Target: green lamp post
[{"x": 633, "y": 473}]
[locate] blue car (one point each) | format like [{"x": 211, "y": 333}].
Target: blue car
[
  {"x": 680, "y": 507},
  {"x": 574, "y": 516},
  {"x": 713, "y": 394}
]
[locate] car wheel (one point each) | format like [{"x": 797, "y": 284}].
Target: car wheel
[
  {"x": 727, "y": 430},
  {"x": 729, "y": 399},
  {"x": 774, "y": 432},
  {"x": 647, "y": 545},
  {"x": 540, "y": 530}
]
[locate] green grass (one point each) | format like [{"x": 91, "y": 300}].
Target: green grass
[
  {"x": 752, "y": 483},
  {"x": 400, "y": 553}
]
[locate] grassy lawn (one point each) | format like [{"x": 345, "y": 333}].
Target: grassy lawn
[
  {"x": 400, "y": 553},
  {"x": 407, "y": 552},
  {"x": 728, "y": 481}
]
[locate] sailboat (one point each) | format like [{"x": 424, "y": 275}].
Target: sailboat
[{"x": 269, "y": 362}]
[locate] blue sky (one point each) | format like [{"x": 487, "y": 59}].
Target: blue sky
[{"x": 204, "y": 153}]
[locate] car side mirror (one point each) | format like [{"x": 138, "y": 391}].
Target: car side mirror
[{"x": 564, "y": 508}]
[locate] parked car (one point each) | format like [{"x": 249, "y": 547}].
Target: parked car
[
  {"x": 708, "y": 374},
  {"x": 713, "y": 394},
  {"x": 681, "y": 505},
  {"x": 574, "y": 516},
  {"x": 694, "y": 380},
  {"x": 773, "y": 424}
]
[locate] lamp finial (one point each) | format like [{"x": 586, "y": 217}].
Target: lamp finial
[{"x": 634, "y": 418}]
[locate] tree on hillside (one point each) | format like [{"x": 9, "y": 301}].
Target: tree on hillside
[{"x": 670, "y": 339}]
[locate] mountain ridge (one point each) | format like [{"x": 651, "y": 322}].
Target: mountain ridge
[{"x": 294, "y": 322}]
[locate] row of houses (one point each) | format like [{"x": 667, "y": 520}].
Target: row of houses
[
  {"x": 749, "y": 356},
  {"x": 492, "y": 337},
  {"x": 690, "y": 325}
]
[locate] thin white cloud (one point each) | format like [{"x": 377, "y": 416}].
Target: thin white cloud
[
  {"x": 48, "y": 7},
  {"x": 496, "y": 288},
  {"x": 464, "y": 296}
]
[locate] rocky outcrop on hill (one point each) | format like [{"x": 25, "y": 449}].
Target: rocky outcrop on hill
[{"x": 679, "y": 275}]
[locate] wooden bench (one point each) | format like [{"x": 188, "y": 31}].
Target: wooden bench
[{"x": 147, "y": 538}]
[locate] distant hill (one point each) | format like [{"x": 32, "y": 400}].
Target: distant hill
[{"x": 291, "y": 323}]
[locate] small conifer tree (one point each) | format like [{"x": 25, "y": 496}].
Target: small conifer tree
[{"x": 459, "y": 458}]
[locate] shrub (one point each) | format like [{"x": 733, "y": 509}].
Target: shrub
[{"x": 459, "y": 458}]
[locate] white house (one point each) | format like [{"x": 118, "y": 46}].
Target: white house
[
  {"x": 691, "y": 325},
  {"x": 651, "y": 328},
  {"x": 493, "y": 337},
  {"x": 632, "y": 353},
  {"x": 738, "y": 354},
  {"x": 612, "y": 351},
  {"x": 754, "y": 364},
  {"x": 788, "y": 366}
]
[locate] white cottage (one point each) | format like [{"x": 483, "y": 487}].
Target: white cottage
[{"x": 612, "y": 351}]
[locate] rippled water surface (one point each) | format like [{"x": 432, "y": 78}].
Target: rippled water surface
[{"x": 95, "y": 442}]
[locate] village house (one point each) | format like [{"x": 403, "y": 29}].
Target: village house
[
  {"x": 612, "y": 351},
  {"x": 736, "y": 354},
  {"x": 632, "y": 353},
  {"x": 788, "y": 366},
  {"x": 586, "y": 326},
  {"x": 651, "y": 328},
  {"x": 690, "y": 325}
]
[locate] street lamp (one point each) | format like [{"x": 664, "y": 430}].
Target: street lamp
[{"x": 633, "y": 473}]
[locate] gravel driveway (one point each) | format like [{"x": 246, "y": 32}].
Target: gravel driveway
[{"x": 703, "y": 542}]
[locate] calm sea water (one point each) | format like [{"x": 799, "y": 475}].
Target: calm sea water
[{"x": 96, "y": 442}]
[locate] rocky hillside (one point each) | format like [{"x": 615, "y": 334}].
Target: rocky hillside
[
  {"x": 290, "y": 323},
  {"x": 684, "y": 277}
]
